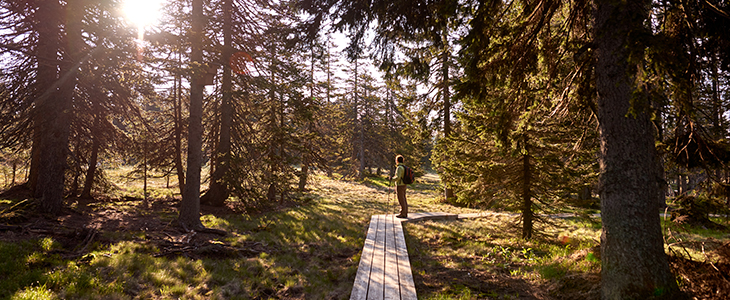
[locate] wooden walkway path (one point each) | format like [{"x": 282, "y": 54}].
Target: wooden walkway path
[{"x": 385, "y": 271}]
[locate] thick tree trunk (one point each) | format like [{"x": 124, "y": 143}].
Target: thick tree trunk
[
  {"x": 48, "y": 28},
  {"x": 218, "y": 191},
  {"x": 53, "y": 114},
  {"x": 190, "y": 206},
  {"x": 634, "y": 265}
]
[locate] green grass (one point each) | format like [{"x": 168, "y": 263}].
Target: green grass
[
  {"x": 693, "y": 242},
  {"x": 491, "y": 248},
  {"x": 312, "y": 251}
]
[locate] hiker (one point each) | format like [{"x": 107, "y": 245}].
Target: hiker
[{"x": 400, "y": 187}]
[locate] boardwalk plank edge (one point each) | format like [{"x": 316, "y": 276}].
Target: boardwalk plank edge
[{"x": 384, "y": 271}]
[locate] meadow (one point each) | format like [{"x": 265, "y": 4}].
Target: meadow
[{"x": 120, "y": 247}]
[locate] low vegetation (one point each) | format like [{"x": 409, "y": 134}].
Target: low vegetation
[{"x": 122, "y": 248}]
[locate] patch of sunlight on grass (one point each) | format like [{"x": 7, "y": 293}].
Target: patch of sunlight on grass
[
  {"x": 34, "y": 293},
  {"x": 458, "y": 292},
  {"x": 213, "y": 221},
  {"x": 173, "y": 291},
  {"x": 132, "y": 265},
  {"x": 48, "y": 243}
]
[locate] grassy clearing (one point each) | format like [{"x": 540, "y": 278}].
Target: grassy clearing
[{"x": 310, "y": 251}]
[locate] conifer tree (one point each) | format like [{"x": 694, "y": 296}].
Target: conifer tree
[
  {"x": 218, "y": 191},
  {"x": 189, "y": 217}
]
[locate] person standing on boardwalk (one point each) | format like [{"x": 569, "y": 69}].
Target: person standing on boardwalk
[{"x": 400, "y": 187}]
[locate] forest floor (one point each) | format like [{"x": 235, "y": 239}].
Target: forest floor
[{"x": 119, "y": 247}]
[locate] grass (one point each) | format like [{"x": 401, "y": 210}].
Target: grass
[
  {"x": 310, "y": 251},
  {"x": 489, "y": 248},
  {"x": 696, "y": 243}
]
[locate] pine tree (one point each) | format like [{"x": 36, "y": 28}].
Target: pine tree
[
  {"x": 189, "y": 217},
  {"x": 629, "y": 179},
  {"x": 218, "y": 190}
]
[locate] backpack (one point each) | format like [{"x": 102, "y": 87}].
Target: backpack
[{"x": 408, "y": 176}]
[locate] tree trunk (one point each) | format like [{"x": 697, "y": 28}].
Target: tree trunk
[
  {"x": 218, "y": 191},
  {"x": 190, "y": 206},
  {"x": 144, "y": 173},
  {"x": 91, "y": 171},
  {"x": 15, "y": 170},
  {"x": 304, "y": 174},
  {"x": 178, "y": 137},
  {"x": 526, "y": 196},
  {"x": 47, "y": 29},
  {"x": 73, "y": 190},
  {"x": 634, "y": 265},
  {"x": 359, "y": 126},
  {"x": 273, "y": 143},
  {"x": 448, "y": 192},
  {"x": 53, "y": 115}
]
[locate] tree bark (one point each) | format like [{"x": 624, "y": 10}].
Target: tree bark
[
  {"x": 190, "y": 205},
  {"x": 359, "y": 126},
  {"x": 218, "y": 191},
  {"x": 526, "y": 195},
  {"x": 47, "y": 28},
  {"x": 91, "y": 171},
  {"x": 634, "y": 265},
  {"x": 54, "y": 104},
  {"x": 448, "y": 192},
  {"x": 178, "y": 137}
]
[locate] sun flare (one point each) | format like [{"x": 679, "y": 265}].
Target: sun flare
[{"x": 142, "y": 13}]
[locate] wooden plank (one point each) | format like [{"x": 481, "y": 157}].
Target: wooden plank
[
  {"x": 391, "y": 289},
  {"x": 360, "y": 288},
  {"x": 377, "y": 271},
  {"x": 384, "y": 271},
  {"x": 407, "y": 286}
]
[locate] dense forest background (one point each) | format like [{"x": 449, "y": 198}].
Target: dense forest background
[{"x": 511, "y": 103}]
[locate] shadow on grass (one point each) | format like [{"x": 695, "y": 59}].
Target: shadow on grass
[
  {"x": 307, "y": 251},
  {"x": 478, "y": 259}
]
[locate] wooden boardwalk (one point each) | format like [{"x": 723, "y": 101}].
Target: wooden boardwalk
[{"x": 385, "y": 271}]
